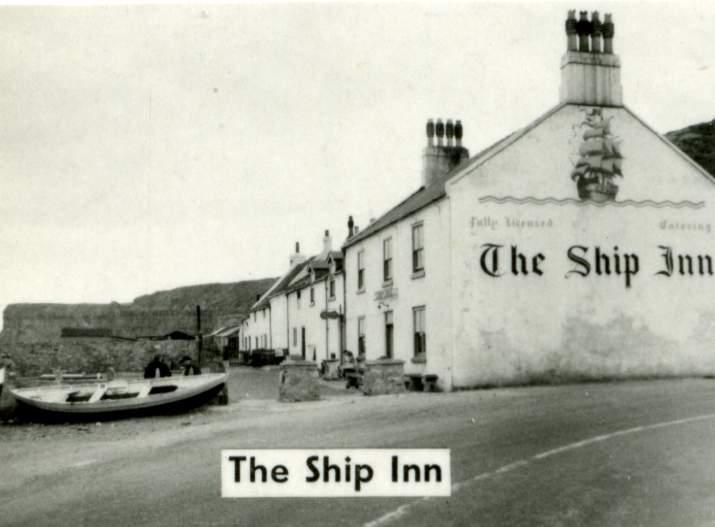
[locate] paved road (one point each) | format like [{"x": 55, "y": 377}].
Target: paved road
[{"x": 637, "y": 453}]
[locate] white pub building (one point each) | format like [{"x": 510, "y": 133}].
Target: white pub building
[{"x": 578, "y": 247}]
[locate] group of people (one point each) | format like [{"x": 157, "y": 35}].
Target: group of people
[{"x": 158, "y": 367}]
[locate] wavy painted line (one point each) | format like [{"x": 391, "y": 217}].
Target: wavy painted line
[{"x": 573, "y": 201}]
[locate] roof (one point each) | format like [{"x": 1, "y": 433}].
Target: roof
[
  {"x": 418, "y": 200},
  {"x": 280, "y": 285},
  {"x": 226, "y": 332}
]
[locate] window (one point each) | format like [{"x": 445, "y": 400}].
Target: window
[
  {"x": 418, "y": 263},
  {"x": 331, "y": 288},
  {"x": 361, "y": 270},
  {"x": 312, "y": 296},
  {"x": 361, "y": 337},
  {"x": 298, "y": 298},
  {"x": 418, "y": 318},
  {"x": 387, "y": 260},
  {"x": 256, "y": 342},
  {"x": 389, "y": 334},
  {"x": 254, "y": 316},
  {"x": 295, "y": 336}
]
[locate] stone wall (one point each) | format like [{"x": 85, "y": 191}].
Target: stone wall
[
  {"x": 91, "y": 355},
  {"x": 384, "y": 376}
]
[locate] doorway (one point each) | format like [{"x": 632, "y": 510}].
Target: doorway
[
  {"x": 389, "y": 334},
  {"x": 302, "y": 342}
]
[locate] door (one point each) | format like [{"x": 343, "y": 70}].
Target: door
[
  {"x": 389, "y": 334},
  {"x": 302, "y": 342}
]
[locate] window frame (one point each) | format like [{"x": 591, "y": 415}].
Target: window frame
[
  {"x": 361, "y": 270},
  {"x": 419, "y": 331},
  {"x": 418, "y": 252},
  {"x": 387, "y": 260}
]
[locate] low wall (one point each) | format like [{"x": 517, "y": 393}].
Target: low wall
[
  {"x": 384, "y": 376},
  {"x": 96, "y": 355},
  {"x": 298, "y": 381}
]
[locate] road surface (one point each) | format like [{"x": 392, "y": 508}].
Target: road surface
[{"x": 632, "y": 453}]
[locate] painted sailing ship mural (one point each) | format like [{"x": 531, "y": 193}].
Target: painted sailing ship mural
[{"x": 599, "y": 159}]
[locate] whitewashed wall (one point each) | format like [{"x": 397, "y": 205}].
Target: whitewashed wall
[
  {"x": 431, "y": 290},
  {"x": 320, "y": 335},
  {"x": 260, "y": 327},
  {"x": 526, "y": 328},
  {"x": 278, "y": 322}
]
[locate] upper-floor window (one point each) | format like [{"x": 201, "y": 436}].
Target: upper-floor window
[
  {"x": 312, "y": 296},
  {"x": 418, "y": 259},
  {"x": 387, "y": 259},
  {"x": 297, "y": 295},
  {"x": 361, "y": 270},
  {"x": 331, "y": 288},
  {"x": 254, "y": 316},
  {"x": 295, "y": 336},
  {"x": 420, "y": 331}
]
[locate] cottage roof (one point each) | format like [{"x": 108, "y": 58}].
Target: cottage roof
[
  {"x": 280, "y": 285},
  {"x": 226, "y": 332}
]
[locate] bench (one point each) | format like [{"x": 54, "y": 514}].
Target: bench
[{"x": 426, "y": 382}]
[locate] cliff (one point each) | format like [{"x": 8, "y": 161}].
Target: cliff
[
  {"x": 698, "y": 141},
  {"x": 149, "y": 315}
]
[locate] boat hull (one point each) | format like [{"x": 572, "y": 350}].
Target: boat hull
[{"x": 30, "y": 405}]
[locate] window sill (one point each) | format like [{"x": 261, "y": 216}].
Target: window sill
[
  {"x": 360, "y": 291},
  {"x": 418, "y": 274},
  {"x": 419, "y": 359},
  {"x": 387, "y": 283}
]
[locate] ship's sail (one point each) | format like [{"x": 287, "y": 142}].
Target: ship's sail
[{"x": 599, "y": 152}]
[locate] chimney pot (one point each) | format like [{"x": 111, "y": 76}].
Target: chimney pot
[
  {"x": 351, "y": 224},
  {"x": 571, "y": 36},
  {"x": 440, "y": 131},
  {"x": 449, "y": 130},
  {"x": 609, "y": 31},
  {"x": 596, "y": 33},
  {"x": 584, "y": 29},
  {"x": 327, "y": 242},
  {"x": 430, "y": 132},
  {"x": 458, "y": 132},
  {"x": 297, "y": 247}
]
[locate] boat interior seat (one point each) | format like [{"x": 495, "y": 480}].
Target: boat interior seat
[{"x": 98, "y": 393}]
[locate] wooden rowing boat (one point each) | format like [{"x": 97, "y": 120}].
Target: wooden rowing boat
[{"x": 118, "y": 398}]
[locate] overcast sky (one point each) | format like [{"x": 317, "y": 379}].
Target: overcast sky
[{"x": 145, "y": 148}]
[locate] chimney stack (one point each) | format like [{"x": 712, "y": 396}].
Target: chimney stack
[
  {"x": 296, "y": 258},
  {"x": 590, "y": 72},
  {"x": 327, "y": 242},
  {"x": 440, "y": 159},
  {"x": 351, "y": 226}
]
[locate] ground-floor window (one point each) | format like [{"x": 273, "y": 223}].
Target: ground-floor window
[
  {"x": 295, "y": 336},
  {"x": 418, "y": 318}
]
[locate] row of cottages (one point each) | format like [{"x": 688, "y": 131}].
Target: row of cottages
[
  {"x": 578, "y": 247},
  {"x": 302, "y": 312}
]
